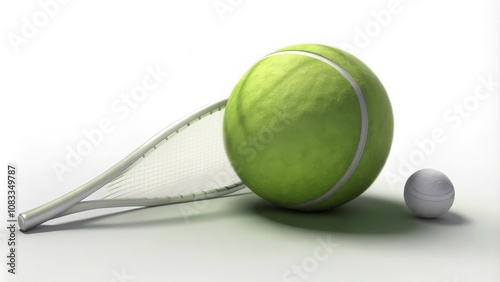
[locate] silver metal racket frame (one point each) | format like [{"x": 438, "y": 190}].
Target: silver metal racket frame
[{"x": 70, "y": 202}]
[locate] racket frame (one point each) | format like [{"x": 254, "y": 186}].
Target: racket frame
[{"x": 70, "y": 202}]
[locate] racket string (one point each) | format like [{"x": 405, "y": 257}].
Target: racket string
[{"x": 189, "y": 161}]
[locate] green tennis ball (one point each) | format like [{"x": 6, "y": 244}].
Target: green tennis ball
[{"x": 308, "y": 127}]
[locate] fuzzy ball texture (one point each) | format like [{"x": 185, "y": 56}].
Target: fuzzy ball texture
[{"x": 308, "y": 127}]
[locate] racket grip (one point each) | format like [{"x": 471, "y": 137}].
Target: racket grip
[
  {"x": 50, "y": 210},
  {"x": 43, "y": 213}
]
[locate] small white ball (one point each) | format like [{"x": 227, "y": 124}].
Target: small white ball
[{"x": 429, "y": 193}]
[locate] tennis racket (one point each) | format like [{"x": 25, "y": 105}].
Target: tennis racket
[{"x": 182, "y": 163}]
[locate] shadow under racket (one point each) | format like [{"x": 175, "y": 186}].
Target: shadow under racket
[{"x": 117, "y": 218}]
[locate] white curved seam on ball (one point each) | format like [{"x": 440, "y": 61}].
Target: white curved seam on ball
[
  {"x": 430, "y": 198},
  {"x": 413, "y": 190},
  {"x": 364, "y": 126}
]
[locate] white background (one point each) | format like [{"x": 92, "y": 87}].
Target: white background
[{"x": 63, "y": 78}]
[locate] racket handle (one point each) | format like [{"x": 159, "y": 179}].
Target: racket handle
[{"x": 43, "y": 213}]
